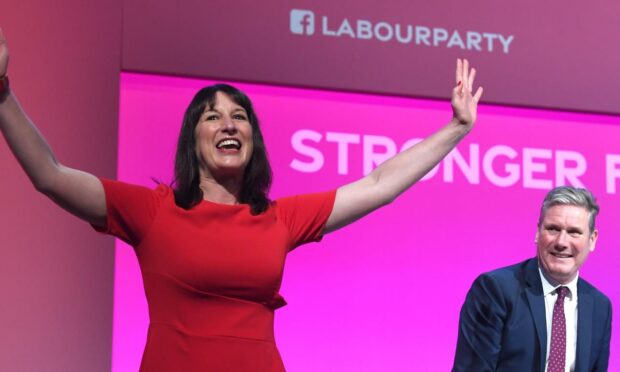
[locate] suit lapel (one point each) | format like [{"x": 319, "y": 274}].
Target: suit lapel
[
  {"x": 584, "y": 327},
  {"x": 536, "y": 301}
]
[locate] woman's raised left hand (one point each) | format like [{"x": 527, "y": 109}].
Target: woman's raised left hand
[{"x": 464, "y": 103}]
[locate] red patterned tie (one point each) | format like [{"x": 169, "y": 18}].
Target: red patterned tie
[{"x": 557, "y": 355}]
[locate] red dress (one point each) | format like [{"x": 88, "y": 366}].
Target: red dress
[{"x": 211, "y": 274}]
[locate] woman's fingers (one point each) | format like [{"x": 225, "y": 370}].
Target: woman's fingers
[
  {"x": 465, "y": 76},
  {"x": 478, "y": 94},
  {"x": 4, "y": 54},
  {"x": 472, "y": 76},
  {"x": 465, "y": 73}
]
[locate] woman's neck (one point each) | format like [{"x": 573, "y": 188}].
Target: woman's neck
[{"x": 222, "y": 191}]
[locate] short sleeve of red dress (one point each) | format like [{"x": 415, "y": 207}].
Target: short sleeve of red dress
[
  {"x": 131, "y": 209},
  {"x": 305, "y": 215}
]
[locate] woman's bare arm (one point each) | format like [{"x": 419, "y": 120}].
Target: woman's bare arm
[
  {"x": 400, "y": 172},
  {"x": 78, "y": 192}
]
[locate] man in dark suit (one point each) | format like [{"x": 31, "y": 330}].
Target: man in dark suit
[{"x": 539, "y": 315}]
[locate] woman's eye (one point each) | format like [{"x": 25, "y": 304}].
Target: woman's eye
[
  {"x": 240, "y": 117},
  {"x": 211, "y": 117}
]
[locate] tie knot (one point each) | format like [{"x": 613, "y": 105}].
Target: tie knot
[{"x": 562, "y": 292}]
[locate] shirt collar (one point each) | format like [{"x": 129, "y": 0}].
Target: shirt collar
[{"x": 549, "y": 288}]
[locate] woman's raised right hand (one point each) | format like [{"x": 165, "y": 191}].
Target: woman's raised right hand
[{"x": 78, "y": 192}]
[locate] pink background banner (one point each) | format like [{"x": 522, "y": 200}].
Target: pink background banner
[
  {"x": 384, "y": 293},
  {"x": 532, "y": 53},
  {"x": 59, "y": 273}
]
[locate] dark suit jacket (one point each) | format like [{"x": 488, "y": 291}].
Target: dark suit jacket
[{"x": 502, "y": 324}]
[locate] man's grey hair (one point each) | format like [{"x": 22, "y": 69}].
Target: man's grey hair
[{"x": 568, "y": 195}]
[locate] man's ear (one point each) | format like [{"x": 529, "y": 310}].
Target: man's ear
[{"x": 593, "y": 238}]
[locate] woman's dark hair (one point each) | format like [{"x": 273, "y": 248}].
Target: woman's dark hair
[{"x": 257, "y": 176}]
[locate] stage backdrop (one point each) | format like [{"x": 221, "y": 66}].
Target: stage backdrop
[
  {"x": 383, "y": 294},
  {"x": 531, "y": 53}
]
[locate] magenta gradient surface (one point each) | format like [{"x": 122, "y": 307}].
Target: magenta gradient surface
[
  {"x": 383, "y": 294},
  {"x": 549, "y": 60}
]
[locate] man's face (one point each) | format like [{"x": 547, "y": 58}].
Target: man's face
[{"x": 564, "y": 241}]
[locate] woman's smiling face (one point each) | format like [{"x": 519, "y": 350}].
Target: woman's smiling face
[{"x": 223, "y": 139}]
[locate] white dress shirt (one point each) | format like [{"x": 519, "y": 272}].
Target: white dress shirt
[{"x": 570, "y": 314}]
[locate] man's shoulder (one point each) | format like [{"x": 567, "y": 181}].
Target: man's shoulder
[
  {"x": 503, "y": 287},
  {"x": 512, "y": 272},
  {"x": 508, "y": 279},
  {"x": 585, "y": 286}
]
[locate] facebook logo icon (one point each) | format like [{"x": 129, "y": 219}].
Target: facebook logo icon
[{"x": 302, "y": 22}]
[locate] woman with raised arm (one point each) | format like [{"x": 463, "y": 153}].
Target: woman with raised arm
[{"x": 211, "y": 248}]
